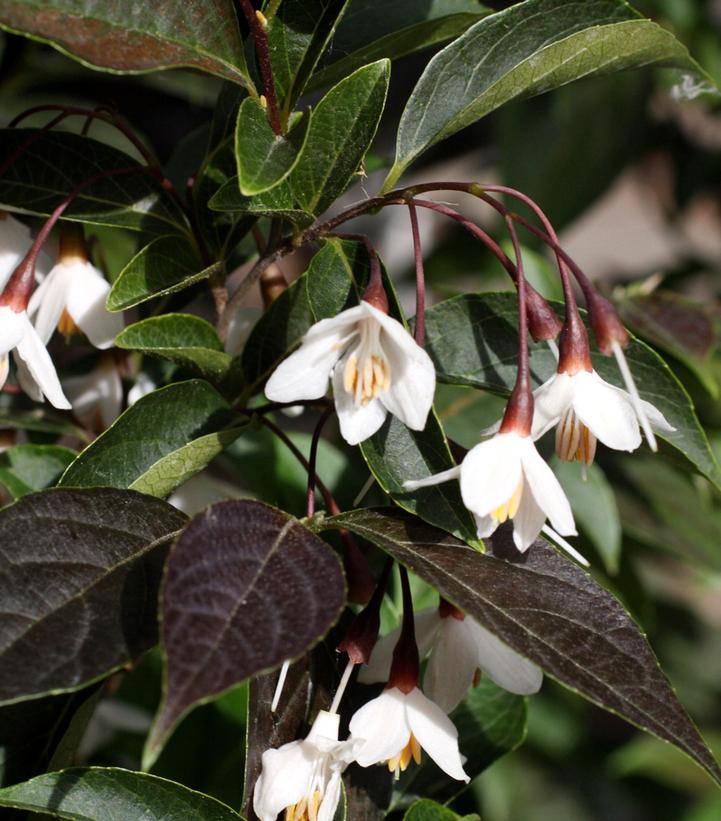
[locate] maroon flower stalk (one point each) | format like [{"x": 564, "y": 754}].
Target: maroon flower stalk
[
  {"x": 375, "y": 293},
  {"x": 420, "y": 330},
  {"x": 260, "y": 39},
  {"x": 312, "y": 477}
]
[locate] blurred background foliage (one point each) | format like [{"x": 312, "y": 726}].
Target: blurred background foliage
[{"x": 632, "y": 180}]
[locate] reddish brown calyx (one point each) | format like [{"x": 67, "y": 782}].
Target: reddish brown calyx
[
  {"x": 406, "y": 665},
  {"x": 606, "y": 323},
  {"x": 375, "y": 295},
  {"x": 574, "y": 354},
  {"x": 363, "y": 632},
  {"x": 518, "y": 417},
  {"x": 447, "y": 610},
  {"x": 20, "y": 285},
  {"x": 543, "y": 322}
]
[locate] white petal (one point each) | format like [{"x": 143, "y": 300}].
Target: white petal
[
  {"x": 435, "y": 479},
  {"x": 49, "y": 300},
  {"x": 15, "y": 242},
  {"x": 528, "y": 521},
  {"x": 658, "y": 421},
  {"x": 490, "y": 473},
  {"x": 32, "y": 351},
  {"x": 12, "y": 328},
  {"x": 546, "y": 490},
  {"x": 25, "y": 379},
  {"x": 329, "y": 804},
  {"x": 452, "y": 664},
  {"x": 413, "y": 376},
  {"x": 284, "y": 780},
  {"x": 4, "y": 368},
  {"x": 382, "y": 726},
  {"x": 504, "y": 666},
  {"x": 87, "y": 292},
  {"x": 550, "y": 402},
  {"x": 485, "y": 525},
  {"x": 436, "y": 733},
  {"x": 101, "y": 391},
  {"x": 356, "y": 423},
  {"x": 305, "y": 373},
  {"x": 606, "y": 411},
  {"x": 379, "y": 665}
]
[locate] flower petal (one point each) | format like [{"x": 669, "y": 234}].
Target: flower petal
[
  {"x": 49, "y": 301},
  {"x": 87, "y": 291},
  {"x": 15, "y": 242},
  {"x": 546, "y": 490},
  {"x": 25, "y": 379},
  {"x": 329, "y": 804},
  {"x": 356, "y": 423},
  {"x": 284, "y": 780},
  {"x": 658, "y": 421},
  {"x": 435, "y": 479},
  {"x": 490, "y": 473},
  {"x": 379, "y": 664},
  {"x": 452, "y": 665},
  {"x": 486, "y": 525},
  {"x": 528, "y": 521},
  {"x": 382, "y": 726},
  {"x": 504, "y": 666},
  {"x": 607, "y": 411},
  {"x": 12, "y": 328},
  {"x": 550, "y": 402},
  {"x": 33, "y": 353},
  {"x": 436, "y": 733}
]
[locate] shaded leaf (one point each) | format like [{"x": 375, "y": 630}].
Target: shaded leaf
[
  {"x": 549, "y": 610},
  {"x": 342, "y": 129},
  {"x": 183, "y": 338},
  {"x": 427, "y": 810},
  {"x": 527, "y": 49},
  {"x": 278, "y": 202},
  {"x": 297, "y": 36},
  {"x": 56, "y": 162},
  {"x": 108, "y": 794},
  {"x": 160, "y": 442},
  {"x": 263, "y": 158},
  {"x": 234, "y": 608},
  {"x": 27, "y": 468},
  {"x": 373, "y": 29},
  {"x": 166, "y": 265},
  {"x": 80, "y": 571},
  {"x": 472, "y": 340},
  {"x": 129, "y": 39}
]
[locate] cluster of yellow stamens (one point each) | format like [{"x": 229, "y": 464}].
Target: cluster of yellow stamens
[
  {"x": 366, "y": 381},
  {"x": 305, "y": 810},
  {"x": 509, "y": 508},
  {"x": 66, "y": 325},
  {"x": 574, "y": 440},
  {"x": 400, "y": 762}
]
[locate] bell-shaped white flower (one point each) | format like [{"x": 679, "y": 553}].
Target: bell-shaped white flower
[
  {"x": 459, "y": 648},
  {"x": 97, "y": 396},
  {"x": 73, "y": 296},
  {"x": 586, "y": 408},
  {"x": 36, "y": 371},
  {"x": 304, "y": 777},
  {"x": 395, "y": 727},
  {"x": 376, "y": 367},
  {"x": 506, "y": 478}
]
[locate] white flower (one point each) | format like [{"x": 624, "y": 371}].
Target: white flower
[
  {"x": 304, "y": 777},
  {"x": 586, "y": 408},
  {"x": 459, "y": 648},
  {"x": 36, "y": 372},
  {"x": 376, "y": 366},
  {"x": 15, "y": 242},
  {"x": 97, "y": 396},
  {"x": 395, "y": 726},
  {"x": 506, "y": 478},
  {"x": 73, "y": 294}
]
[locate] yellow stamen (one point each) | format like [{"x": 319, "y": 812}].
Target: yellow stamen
[
  {"x": 574, "y": 440},
  {"x": 509, "y": 508},
  {"x": 261, "y": 18},
  {"x": 67, "y": 326},
  {"x": 399, "y": 763},
  {"x": 263, "y": 102},
  {"x": 350, "y": 374},
  {"x": 304, "y": 810}
]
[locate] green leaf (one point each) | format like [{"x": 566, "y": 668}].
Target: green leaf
[
  {"x": 278, "y": 202},
  {"x": 132, "y": 39},
  {"x": 427, "y": 810},
  {"x": 26, "y": 468},
  {"x": 342, "y": 129},
  {"x": 472, "y": 340},
  {"x": 80, "y": 572},
  {"x": 161, "y": 441},
  {"x": 53, "y": 163},
  {"x": 168, "y": 264},
  {"x": 373, "y": 29},
  {"x": 534, "y": 601},
  {"x": 530, "y": 48},
  {"x": 264, "y": 159},
  {"x": 109, "y": 794},
  {"x": 274, "y": 594},
  {"x": 182, "y": 338},
  {"x": 594, "y": 507},
  {"x": 491, "y": 722},
  {"x": 297, "y": 36}
]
